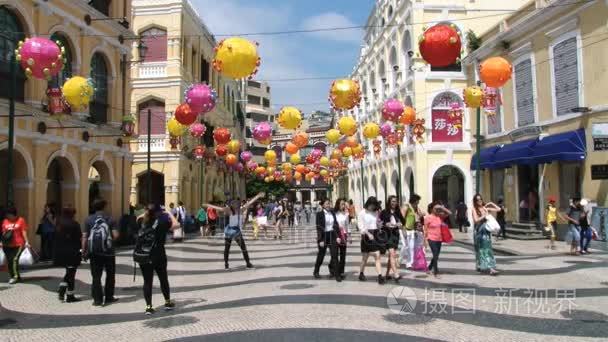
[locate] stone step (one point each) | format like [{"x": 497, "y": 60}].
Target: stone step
[
  {"x": 520, "y": 225},
  {"x": 517, "y": 230}
]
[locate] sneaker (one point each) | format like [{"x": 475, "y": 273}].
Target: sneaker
[
  {"x": 362, "y": 277},
  {"x": 71, "y": 299},
  {"x": 169, "y": 305},
  {"x": 13, "y": 281},
  {"x": 381, "y": 280},
  {"x": 150, "y": 310}
]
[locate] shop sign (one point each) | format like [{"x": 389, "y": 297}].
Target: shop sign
[
  {"x": 600, "y": 144},
  {"x": 599, "y": 172},
  {"x": 599, "y": 132},
  {"x": 445, "y": 127},
  {"x": 531, "y": 131}
]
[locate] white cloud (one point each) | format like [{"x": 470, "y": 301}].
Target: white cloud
[{"x": 330, "y": 20}]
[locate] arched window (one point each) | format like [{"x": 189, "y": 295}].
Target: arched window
[
  {"x": 446, "y": 127},
  {"x": 155, "y": 39},
  {"x": 66, "y": 73},
  {"x": 406, "y": 45},
  {"x": 456, "y": 67},
  {"x": 13, "y": 33},
  {"x": 157, "y": 121},
  {"x": 98, "y": 112},
  {"x": 102, "y": 6}
]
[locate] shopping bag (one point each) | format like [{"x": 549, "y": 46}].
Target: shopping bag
[
  {"x": 2, "y": 258},
  {"x": 26, "y": 258},
  {"x": 446, "y": 234},
  {"x": 594, "y": 235},
  {"x": 419, "y": 259},
  {"x": 178, "y": 234}
]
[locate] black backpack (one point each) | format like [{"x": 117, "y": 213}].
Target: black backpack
[
  {"x": 100, "y": 240},
  {"x": 145, "y": 243}
]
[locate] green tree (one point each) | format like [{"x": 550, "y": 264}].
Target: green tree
[{"x": 255, "y": 186}]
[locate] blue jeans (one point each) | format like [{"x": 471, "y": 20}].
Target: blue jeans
[{"x": 585, "y": 238}]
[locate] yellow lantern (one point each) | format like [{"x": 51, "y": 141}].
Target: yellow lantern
[
  {"x": 371, "y": 130},
  {"x": 77, "y": 92},
  {"x": 347, "y": 125},
  {"x": 336, "y": 154},
  {"x": 289, "y": 118},
  {"x": 233, "y": 146},
  {"x": 473, "y": 96},
  {"x": 333, "y": 136},
  {"x": 270, "y": 156},
  {"x": 324, "y": 161},
  {"x": 287, "y": 167},
  {"x": 236, "y": 58},
  {"x": 270, "y": 170},
  {"x": 323, "y": 173},
  {"x": 175, "y": 128},
  {"x": 357, "y": 149},
  {"x": 295, "y": 159},
  {"x": 347, "y": 152},
  {"x": 344, "y": 94}
]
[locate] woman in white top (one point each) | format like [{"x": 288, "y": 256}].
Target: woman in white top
[
  {"x": 370, "y": 241},
  {"x": 233, "y": 230},
  {"x": 341, "y": 211}
]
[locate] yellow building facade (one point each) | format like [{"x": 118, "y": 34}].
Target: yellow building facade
[
  {"x": 73, "y": 161},
  {"x": 549, "y": 135},
  {"x": 179, "y": 53}
]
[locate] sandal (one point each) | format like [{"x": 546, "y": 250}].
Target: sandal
[{"x": 493, "y": 272}]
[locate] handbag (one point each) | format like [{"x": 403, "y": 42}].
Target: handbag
[
  {"x": 230, "y": 232},
  {"x": 446, "y": 234},
  {"x": 491, "y": 224},
  {"x": 594, "y": 234},
  {"x": 7, "y": 237}
]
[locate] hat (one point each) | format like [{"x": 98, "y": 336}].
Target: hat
[{"x": 552, "y": 199}]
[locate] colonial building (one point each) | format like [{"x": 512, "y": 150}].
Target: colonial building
[
  {"x": 258, "y": 110},
  {"x": 179, "y": 52},
  {"x": 390, "y": 66},
  {"x": 549, "y": 136},
  {"x": 83, "y": 156}
]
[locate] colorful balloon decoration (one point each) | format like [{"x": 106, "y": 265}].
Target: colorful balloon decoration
[
  {"x": 392, "y": 109},
  {"x": 251, "y": 165},
  {"x": 289, "y": 118},
  {"x": 495, "y": 71},
  {"x": 77, "y": 92},
  {"x": 246, "y": 156},
  {"x": 347, "y": 151},
  {"x": 371, "y": 130},
  {"x": 40, "y": 57},
  {"x": 270, "y": 155},
  {"x": 333, "y": 136},
  {"x": 324, "y": 161},
  {"x": 357, "y": 149},
  {"x": 440, "y": 45},
  {"x": 386, "y": 129},
  {"x": 301, "y": 168},
  {"x": 221, "y": 135},
  {"x": 184, "y": 115},
  {"x": 316, "y": 153},
  {"x": 231, "y": 159},
  {"x": 262, "y": 133},
  {"x": 291, "y": 148},
  {"x": 295, "y": 159},
  {"x": 336, "y": 154},
  {"x": 197, "y": 130},
  {"x": 344, "y": 94},
  {"x": 347, "y": 125},
  {"x": 175, "y": 128},
  {"x": 233, "y": 146},
  {"x": 236, "y": 58},
  {"x": 260, "y": 170},
  {"x": 287, "y": 167},
  {"x": 201, "y": 98},
  {"x": 473, "y": 96},
  {"x": 199, "y": 152},
  {"x": 270, "y": 170},
  {"x": 221, "y": 150},
  {"x": 300, "y": 139},
  {"x": 408, "y": 117}
]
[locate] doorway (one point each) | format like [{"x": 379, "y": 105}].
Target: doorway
[
  {"x": 448, "y": 186},
  {"x": 527, "y": 189}
]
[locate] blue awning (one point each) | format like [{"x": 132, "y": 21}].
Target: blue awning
[
  {"x": 568, "y": 146},
  {"x": 517, "y": 153},
  {"x": 487, "y": 158}
]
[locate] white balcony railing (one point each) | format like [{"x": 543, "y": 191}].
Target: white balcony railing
[
  {"x": 153, "y": 70},
  {"x": 157, "y": 144}
]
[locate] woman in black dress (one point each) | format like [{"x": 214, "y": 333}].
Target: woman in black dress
[
  {"x": 392, "y": 221},
  {"x": 67, "y": 253}
]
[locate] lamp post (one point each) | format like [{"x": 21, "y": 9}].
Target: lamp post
[
  {"x": 399, "y": 176},
  {"x": 478, "y": 148}
]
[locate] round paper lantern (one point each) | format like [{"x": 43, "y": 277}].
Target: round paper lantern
[
  {"x": 300, "y": 139},
  {"x": 334, "y": 163},
  {"x": 221, "y": 135},
  {"x": 324, "y": 161},
  {"x": 295, "y": 159},
  {"x": 344, "y": 94},
  {"x": 347, "y": 152},
  {"x": 231, "y": 159},
  {"x": 40, "y": 57},
  {"x": 386, "y": 129},
  {"x": 316, "y": 153},
  {"x": 357, "y": 149},
  {"x": 473, "y": 96},
  {"x": 268, "y": 179},
  {"x": 336, "y": 154},
  {"x": 221, "y": 150},
  {"x": 286, "y": 167},
  {"x": 371, "y": 130},
  {"x": 392, "y": 109},
  {"x": 301, "y": 168},
  {"x": 185, "y": 115},
  {"x": 77, "y": 92},
  {"x": 201, "y": 98},
  {"x": 495, "y": 72},
  {"x": 409, "y": 115},
  {"x": 297, "y": 176},
  {"x": 175, "y": 128},
  {"x": 289, "y": 118},
  {"x": 440, "y": 45},
  {"x": 251, "y": 165},
  {"x": 310, "y": 159},
  {"x": 270, "y": 170},
  {"x": 262, "y": 133},
  {"x": 270, "y": 155},
  {"x": 234, "y": 146},
  {"x": 309, "y": 176},
  {"x": 260, "y": 170},
  {"x": 347, "y": 125},
  {"x": 291, "y": 148},
  {"x": 271, "y": 162},
  {"x": 246, "y": 156},
  {"x": 197, "y": 130},
  {"x": 198, "y": 152},
  {"x": 236, "y": 58},
  {"x": 323, "y": 173},
  {"x": 351, "y": 142},
  {"x": 333, "y": 136}
]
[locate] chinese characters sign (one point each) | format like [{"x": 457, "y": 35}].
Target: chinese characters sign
[{"x": 446, "y": 128}]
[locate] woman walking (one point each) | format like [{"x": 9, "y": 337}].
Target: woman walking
[
  {"x": 413, "y": 230},
  {"x": 371, "y": 244},
  {"x": 342, "y": 216},
  {"x": 573, "y": 216},
  {"x": 14, "y": 240},
  {"x": 392, "y": 222},
  {"x": 551, "y": 219},
  {"x": 67, "y": 252},
  {"x": 483, "y": 238},
  {"x": 46, "y": 230},
  {"x": 432, "y": 233},
  {"x": 586, "y": 234},
  {"x": 327, "y": 236},
  {"x": 234, "y": 229}
]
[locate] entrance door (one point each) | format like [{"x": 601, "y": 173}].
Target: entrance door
[
  {"x": 527, "y": 184},
  {"x": 448, "y": 186}
]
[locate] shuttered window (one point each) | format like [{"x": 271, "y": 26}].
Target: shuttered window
[
  {"x": 565, "y": 68},
  {"x": 155, "y": 40},
  {"x": 524, "y": 93},
  {"x": 157, "y": 109}
]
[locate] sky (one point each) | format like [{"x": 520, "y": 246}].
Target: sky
[{"x": 302, "y": 55}]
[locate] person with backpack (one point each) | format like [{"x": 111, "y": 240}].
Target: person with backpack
[
  {"x": 98, "y": 238},
  {"x": 201, "y": 217},
  {"x": 212, "y": 217},
  {"x": 14, "y": 241},
  {"x": 150, "y": 254},
  {"x": 67, "y": 252}
]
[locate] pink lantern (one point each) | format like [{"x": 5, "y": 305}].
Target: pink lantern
[
  {"x": 40, "y": 57},
  {"x": 386, "y": 130},
  {"x": 239, "y": 167},
  {"x": 392, "y": 110},
  {"x": 262, "y": 133},
  {"x": 201, "y": 98},
  {"x": 197, "y": 130},
  {"x": 246, "y": 156},
  {"x": 251, "y": 165},
  {"x": 316, "y": 154},
  {"x": 277, "y": 175}
]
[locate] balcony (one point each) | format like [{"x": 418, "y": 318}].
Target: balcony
[
  {"x": 157, "y": 144},
  {"x": 153, "y": 70}
]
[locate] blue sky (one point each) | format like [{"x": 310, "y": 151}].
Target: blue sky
[{"x": 319, "y": 54}]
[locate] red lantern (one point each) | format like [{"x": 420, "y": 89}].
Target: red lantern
[
  {"x": 221, "y": 150},
  {"x": 231, "y": 159},
  {"x": 174, "y": 141},
  {"x": 184, "y": 115},
  {"x": 56, "y": 104},
  {"x": 221, "y": 135},
  {"x": 199, "y": 152},
  {"x": 440, "y": 45}
]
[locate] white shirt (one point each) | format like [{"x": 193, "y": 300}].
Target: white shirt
[
  {"x": 342, "y": 219},
  {"x": 367, "y": 221},
  {"x": 329, "y": 221}
]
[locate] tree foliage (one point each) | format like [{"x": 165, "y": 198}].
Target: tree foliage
[{"x": 276, "y": 189}]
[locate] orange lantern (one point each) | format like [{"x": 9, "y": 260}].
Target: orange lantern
[
  {"x": 409, "y": 115},
  {"x": 334, "y": 163},
  {"x": 495, "y": 71},
  {"x": 221, "y": 150},
  {"x": 221, "y": 135},
  {"x": 297, "y": 175},
  {"x": 301, "y": 168},
  {"x": 260, "y": 170},
  {"x": 351, "y": 142},
  {"x": 231, "y": 159},
  {"x": 310, "y": 175},
  {"x": 291, "y": 148},
  {"x": 300, "y": 139},
  {"x": 336, "y": 154}
]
